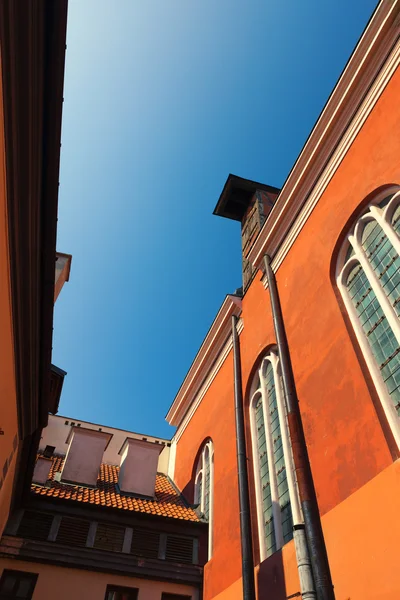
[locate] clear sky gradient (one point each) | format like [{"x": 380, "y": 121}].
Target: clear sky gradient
[{"x": 163, "y": 99}]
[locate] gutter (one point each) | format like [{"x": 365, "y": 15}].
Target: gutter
[
  {"x": 308, "y": 499},
  {"x": 248, "y": 582}
]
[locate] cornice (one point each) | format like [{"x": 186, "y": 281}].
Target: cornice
[
  {"x": 366, "y": 74},
  {"x": 32, "y": 40},
  {"x": 377, "y": 47},
  {"x": 206, "y": 359},
  {"x": 99, "y": 560}
]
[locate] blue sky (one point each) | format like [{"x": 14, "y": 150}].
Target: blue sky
[{"x": 162, "y": 101}]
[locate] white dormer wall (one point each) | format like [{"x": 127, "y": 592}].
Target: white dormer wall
[
  {"x": 84, "y": 456},
  {"x": 42, "y": 470},
  {"x": 59, "y": 428},
  {"x": 138, "y": 467}
]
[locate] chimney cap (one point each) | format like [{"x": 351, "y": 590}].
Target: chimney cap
[
  {"x": 236, "y": 195},
  {"x": 88, "y": 431},
  {"x": 56, "y": 384}
]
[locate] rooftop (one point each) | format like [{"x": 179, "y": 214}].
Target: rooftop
[
  {"x": 236, "y": 195},
  {"x": 167, "y": 503}
]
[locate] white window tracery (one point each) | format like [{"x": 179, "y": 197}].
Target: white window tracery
[
  {"x": 368, "y": 277},
  {"x": 277, "y": 498},
  {"x": 204, "y": 487}
]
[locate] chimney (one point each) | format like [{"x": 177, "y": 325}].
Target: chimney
[
  {"x": 250, "y": 203},
  {"x": 63, "y": 268},
  {"x": 42, "y": 470},
  {"x": 138, "y": 467},
  {"x": 84, "y": 455}
]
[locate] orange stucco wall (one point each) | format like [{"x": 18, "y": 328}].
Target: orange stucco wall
[
  {"x": 346, "y": 443},
  {"x": 8, "y": 403},
  {"x": 65, "y": 584},
  {"x": 344, "y": 436},
  {"x": 362, "y": 535},
  {"x": 225, "y": 564}
]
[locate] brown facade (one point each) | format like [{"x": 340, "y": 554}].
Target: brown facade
[
  {"x": 32, "y": 70},
  {"x": 9, "y": 419}
]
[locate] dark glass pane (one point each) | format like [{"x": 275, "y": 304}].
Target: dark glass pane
[
  {"x": 117, "y": 593},
  {"x": 350, "y": 252},
  {"x": 396, "y": 220},
  {"x": 17, "y": 584},
  {"x": 23, "y": 589},
  {"x": 385, "y": 201},
  {"x": 384, "y": 260},
  {"x": 380, "y": 336},
  {"x": 279, "y": 459},
  {"x": 199, "y": 488},
  {"x": 207, "y": 467},
  {"x": 7, "y": 583},
  {"x": 269, "y": 531}
]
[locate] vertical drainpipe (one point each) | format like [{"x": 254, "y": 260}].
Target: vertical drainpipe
[
  {"x": 243, "y": 480},
  {"x": 308, "y": 499}
]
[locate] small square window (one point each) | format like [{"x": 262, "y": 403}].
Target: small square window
[
  {"x": 167, "y": 596},
  {"x": 115, "y": 592},
  {"x": 17, "y": 584},
  {"x": 49, "y": 451}
]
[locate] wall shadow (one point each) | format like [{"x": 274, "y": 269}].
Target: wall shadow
[{"x": 271, "y": 578}]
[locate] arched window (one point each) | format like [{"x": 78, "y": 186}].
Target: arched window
[
  {"x": 204, "y": 487},
  {"x": 278, "y": 505},
  {"x": 368, "y": 277}
]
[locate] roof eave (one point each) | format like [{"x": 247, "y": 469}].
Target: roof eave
[
  {"x": 211, "y": 347},
  {"x": 32, "y": 40},
  {"x": 365, "y": 63}
]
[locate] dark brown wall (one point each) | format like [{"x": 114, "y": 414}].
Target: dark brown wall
[{"x": 8, "y": 401}]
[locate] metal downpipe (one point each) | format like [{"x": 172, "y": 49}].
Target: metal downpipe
[
  {"x": 308, "y": 499},
  {"x": 243, "y": 480},
  {"x": 307, "y": 586}
]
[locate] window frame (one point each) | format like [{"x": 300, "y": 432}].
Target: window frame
[
  {"x": 258, "y": 389},
  {"x": 172, "y": 596},
  {"x": 208, "y": 446},
  {"x": 383, "y": 216},
  {"x": 48, "y": 452},
  {"x": 121, "y": 589},
  {"x": 19, "y": 575}
]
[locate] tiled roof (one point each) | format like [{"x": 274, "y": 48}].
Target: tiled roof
[{"x": 168, "y": 502}]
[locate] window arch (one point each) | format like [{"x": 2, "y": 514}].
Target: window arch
[
  {"x": 204, "y": 487},
  {"x": 368, "y": 277},
  {"x": 278, "y": 507}
]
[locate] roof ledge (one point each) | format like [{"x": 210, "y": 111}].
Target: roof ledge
[
  {"x": 206, "y": 357},
  {"x": 316, "y": 162}
]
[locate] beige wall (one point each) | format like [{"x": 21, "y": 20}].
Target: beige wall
[
  {"x": 57, "y": 432},
  {"x": 67, "y": 584}
]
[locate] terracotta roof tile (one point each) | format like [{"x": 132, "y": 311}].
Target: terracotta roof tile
[{"x": 167, "y": 503}]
